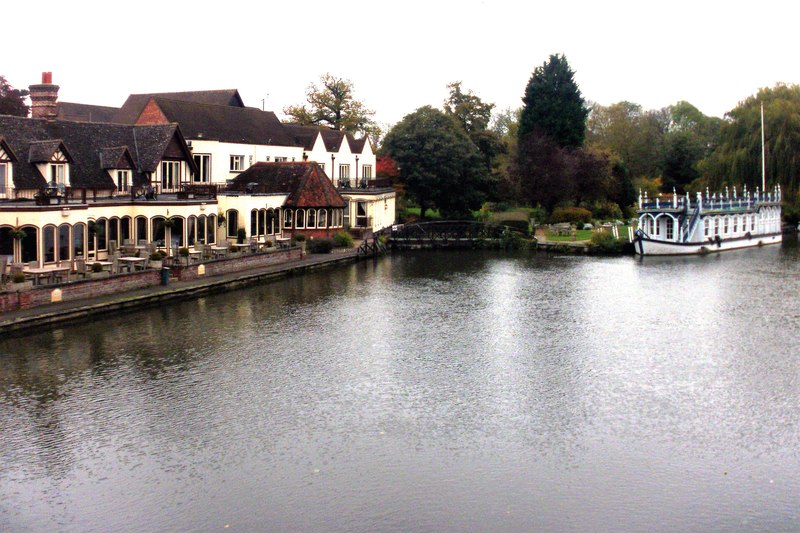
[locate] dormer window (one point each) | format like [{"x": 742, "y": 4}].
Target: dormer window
[
  {"x": 123, "y": 180},
  {"x": 5, "y": 186},
  {"x": 58, "y": 173}
]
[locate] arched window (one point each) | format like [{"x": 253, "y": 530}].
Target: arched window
[
  {"x": 63, "y": 242},
  {"x": 176, "y": 232},
  {"x": 300, "y": 219},
  {"x": 159, "y": 231},
  {"x": 322, "y": 218},
  {"x": 141, "y": 229},
  {"x": 49, "y": 240},
  {"x": 201, "y": 229},
  {"x": 79, "y": 240},
  {"x": 124, "y": 229},
  {"x": 30, "y": 244},
  {"x": 287, "y": 218},
  {"x": 311, "y": 221},
  {"x": 191, "y": 224},
  {"x": 262, "y": 222},
  {"x": 271, "y": 222},
  {"x": 113, "y": 231},
  {"x": 233, "y": 222},
  {"x": 101, "y": 233},
  {"x": 254, "y": 222},
  {"x": 6, "y": 243},
  {"x": 211, "y": 229}
]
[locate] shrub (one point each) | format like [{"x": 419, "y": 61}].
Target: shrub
[
  {"x": 343, "y": 240},
  {"x": 510, "y": 240},
  {"x": 184, "y": 252},
  {"x": 18, "y": 277},
  {"x": 241, "y": 235},
  {"x": 320, "y": 246},
  {"x": 605, "y": 242},
  {"x": 97, "y": 267},
  {"x": 570, "y": 214},
  {"x": 299, "y": 237},
  {"x": 158, "y": 255}
]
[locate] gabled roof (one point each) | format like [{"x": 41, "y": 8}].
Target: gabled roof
[
  {"x": 7, "y": 149},
  {"x": 86, "y": 144},
  {"x": 135, "y": 103},
  {"x": 304, "y": 182},
  {"x": 246, "y": 125},
  {"x": 42, "y": 151},
  {"x": 116, "y": 157},
  {"x": 333, "y": 139},
  {"x": 85, "y": 112}
]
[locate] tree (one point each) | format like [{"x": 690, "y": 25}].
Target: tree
[
  {"x": 439, "y": 164},
  {"x": 474, "y": 116},
  {"x": 332, "y": 104},
  {"x": 553, "y": 104},
  {"x": 12, "y": 101},
  {"x": 737, "y": 157}
]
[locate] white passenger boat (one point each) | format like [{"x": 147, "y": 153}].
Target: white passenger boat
[{"x": 712, "y": 223}]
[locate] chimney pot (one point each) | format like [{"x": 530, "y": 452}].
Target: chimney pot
[{"x": 47, "y": 77}]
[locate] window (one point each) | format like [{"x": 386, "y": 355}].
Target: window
[
  {"x": 203, "y": 162},
  {"x": 725, "y": 227},
  {"x": 322, "y": 166},
  {"x": 101, "y": 233},
  {"x": 49, "y": 238},
  {"x": 63, "y": 242},
  {"x": 113, "y": 231},
  {"x": 670, "y": 229},
  {"x": 58, "y": 173},
  {"x": 361, "y": 214},
  {"x": 30, "y": 245},
  {"x": 706, "y": 226},
  {"x": 170, "y": 175},
  {"x": 237, "y": 163},
  {"x": 735, "y": 224},
  {"x": 123, "y": 180},
  {"x": 272, "y": 221},
  {"x": 658, "y": 227},
  {"x": 159, "y": 231},
  {"x": 124, "y": 229},
  {"x": 233, "y": 222},
  {"x": 366, "y": 172},
  {"x": 262, "y": 221},
  {"x": 322, "y": 218},
  {"x": 311, "y": 221},
  {"x": 344, "y": 172},
  {"x": 253, "y": 222},
  {"x": 287, "y": 218},
  {"x": 4, "y": 185},
  {"x": 141, "y": 229},
  {"x": 300, "y": 219},
  {"x": 346, "y": 215},
  {"x": 6, "y": 243},
  {"x": 752, "y": 222},
  {"x": 191, "y": 223},
  {"x": 211, "y": 229},
  {"x": 281, "y": 159}
]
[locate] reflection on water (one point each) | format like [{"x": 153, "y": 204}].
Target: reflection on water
[{"x": 456, "y": 390}]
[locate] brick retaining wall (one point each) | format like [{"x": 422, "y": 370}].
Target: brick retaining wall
[{"x": 245, "y": 262}]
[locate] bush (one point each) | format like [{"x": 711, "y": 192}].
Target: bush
[
  {"x": 510, "y": 240},
  {"x": 299, "y": 237},
  {"x": 570, "y": 214},
  {"x": 184, "y": 252},
  {"x": 319, "y": 246},
  {"x": 97, "y": 267},
  {"x": 241, "y": 235},
  {"x": 158, "y": 255},
  {"x": 606, "y": 211},
  {"x": 343, "y": 240},
  {"x": 605, "y": 242},
  {"x": 18, "y": 277}
]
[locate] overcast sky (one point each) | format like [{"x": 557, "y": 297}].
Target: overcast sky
[{"x": 401, "y": 55}]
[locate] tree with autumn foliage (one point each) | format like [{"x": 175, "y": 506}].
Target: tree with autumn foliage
[{"x": 332, "y": 104}]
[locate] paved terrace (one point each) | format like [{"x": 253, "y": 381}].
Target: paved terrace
[{"x": 58, "y": 314}]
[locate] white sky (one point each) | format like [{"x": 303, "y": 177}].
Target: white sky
[{"x": 401, "y": 55}]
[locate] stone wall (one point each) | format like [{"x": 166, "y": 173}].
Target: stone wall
[{"x": 244, "y": 262}]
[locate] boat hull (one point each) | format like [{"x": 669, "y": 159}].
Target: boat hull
[{"x": 646, "y": 246}]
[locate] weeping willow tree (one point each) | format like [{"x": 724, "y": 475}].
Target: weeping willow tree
[{"x": 737, "y": 157}]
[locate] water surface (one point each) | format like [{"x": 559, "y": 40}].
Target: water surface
[{"x": 426, "y": 391}]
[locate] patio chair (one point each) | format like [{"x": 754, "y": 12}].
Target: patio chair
[
  {"x": 142, "y": 242},
  {"x": 80, "y": 268},
  {"x": 60, "y": 277},
  {"x": 112, "y": 247},
  {"x": 3, "y": 263}
]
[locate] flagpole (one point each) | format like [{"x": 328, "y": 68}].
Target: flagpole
[{"x": 763, "y": 154}]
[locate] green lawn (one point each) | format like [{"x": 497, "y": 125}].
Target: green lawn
[{"x": 584, "y": 235}]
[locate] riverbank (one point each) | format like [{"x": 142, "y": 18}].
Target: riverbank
[{"x": 50, "y": 315}]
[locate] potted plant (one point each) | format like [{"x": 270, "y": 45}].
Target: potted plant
[
  {"x": 19, "y": 283},
  {"x": 184, "y": 252},
  {"x": 156, "y": 259},
  {"x": 241, "y": 235},
  {"x": 17, "y": 234},
  {"x": 300, "y": 240},
  {"x": 169, "y": 223},
  {"x": 98, "y": 272}
]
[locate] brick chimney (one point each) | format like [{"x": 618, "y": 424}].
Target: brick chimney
[{"x": 44, "y": 97}]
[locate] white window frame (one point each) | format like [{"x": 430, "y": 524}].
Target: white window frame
[
  {"x": 322, "y": 218},
  {"x": 123, "y": 180},
  {"x": 670, "y": 229},
  {"x": 203, "y": 171},
  {"x": 366, "y": 172},
  {"x": 311, "y": 218},
  {"x": 58, "y": 173},
  {"x": 170, "y": 175},
  {"x": 4, "y": 187},
  {"x": 237, "y": 163},
  {"x": 300, "y": 219},
  {"x": 344, "y": 171},
  {"x": 281, "y": 159}
]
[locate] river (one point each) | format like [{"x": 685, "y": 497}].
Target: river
[{"x": 429, "y": 391}]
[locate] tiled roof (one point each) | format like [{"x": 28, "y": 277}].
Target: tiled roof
[
  {"x": 86, "y": 143},
  {"x": 115, "y": 157},
  {"x": 42, "y": 151},
  {"x": 246, "y": 125},
  {"x": 304, "y": 182},
  {"x": 135, "y": 103},
  {"x": 307, "y": 135},
  {"x": 85, "y": 112}
]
